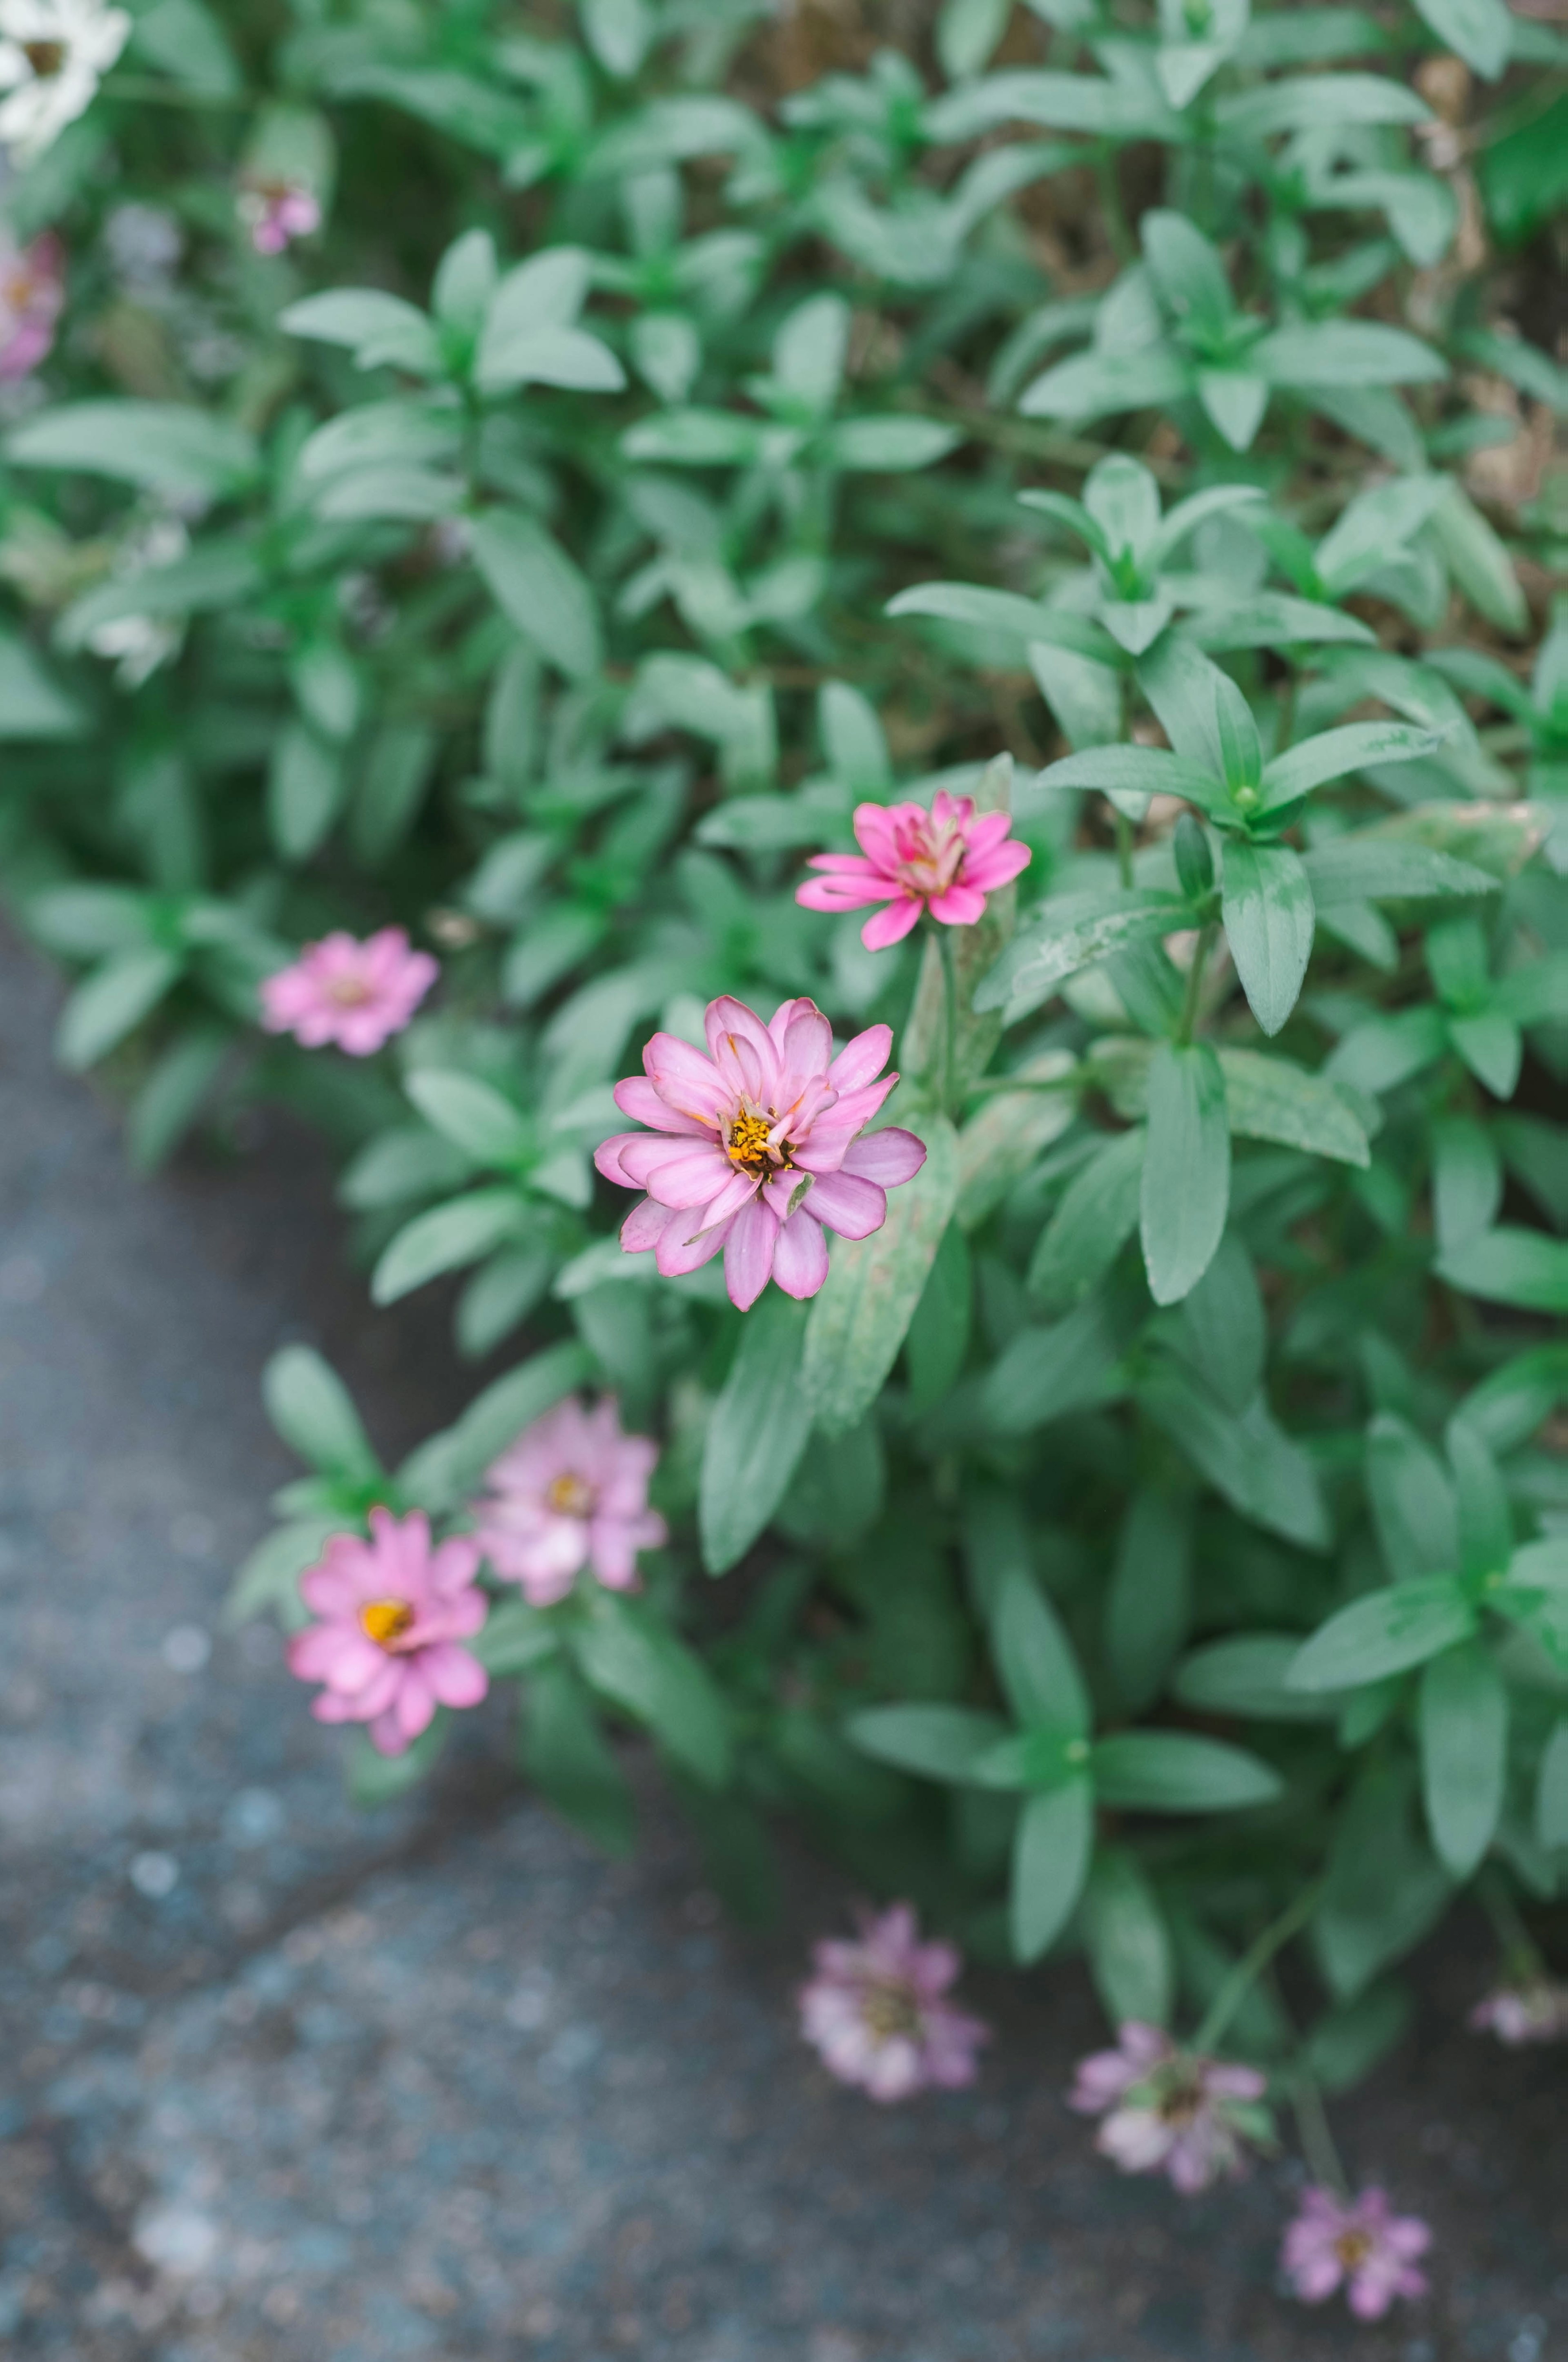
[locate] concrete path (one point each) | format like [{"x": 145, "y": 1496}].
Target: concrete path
[{"x": 285, "y": 2084}]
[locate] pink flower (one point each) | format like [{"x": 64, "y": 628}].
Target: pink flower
[
  {"x": 277, "y": 212},
  {"x": 356, "y": 995},
  {"x": 1534, "y": 2010},
  {"x": 1358, "y": 2245},
  {"x": 757, "y": 1146},
  {"x": 392, "y": 1611},
  {"x": 572, "y": 1492},
  {"x": 945, "y": 861},
  {"x": 32, "y": 296},
  {"x": 877, "y": 2012},
  {"x": 1168, "y": 2110}
]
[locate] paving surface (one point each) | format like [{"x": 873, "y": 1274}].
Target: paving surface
[{"x": 286, "y": 2084}]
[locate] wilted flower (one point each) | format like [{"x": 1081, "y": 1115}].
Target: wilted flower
[
  {"x": 356, "y": 995},
  {"x": 1168, "y": 2110},
  {"x": 51, "y": 55},
  {"x": 1355, "y": 2244},
  {"x": 766, "y": 1147},
  {"x": 393, "y": 1612},
  {"x": 572, "y": 1492},
  {"x": 1534, "y": 2010},
  {"x": 878, "y": 2010},
  {"x": 945, "y": 861},
  {"x": 32, "y": 295},
  {"x": 277, "y": 212}
]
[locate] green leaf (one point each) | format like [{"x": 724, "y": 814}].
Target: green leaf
[
  {"x": 756, "y": 1432},
  {"x": 270, "y": 1577},
  {"x": 1385, "y": 1890},
  {"x": 563, "y": 1751},
  {"x": 515, "y": 1638},
  {"x": 305, "y": 786},
  {"x": 1347, "y": 2042},
  {"x": 1511, "y": 1266},
  {"x": 1186, "y": 1185},
  {"x": 938, "y": 1336},
  {"x": 1005, "y": 615},
  {"x": 1224, "y": 1329},
  {"x": 311, "y": 1409},
  {"x": 1463, "y": 1723},
  {"x": 1035, "y": 1659},
  {"x": 859, "y": 1321},
  {"x": 1387, "y": 1632},
  {"x": 1070, "y": 934},
  {"x": 1337, "y": 353},
  {"x": 108, "y": 1004},
  {"x": 164, "y": 446},
  {"x": 449, "y": 1466},
  {"x": 1467, "y": 1181},
  {"x": 1268, "y": 916},
  {"x": 1052, "y": 1849},
  {"x": 1479, "y": 562},
  {"x": 1524, "y": 175},
  {"x": 888, "y": 446},
  {"x": 630, "y": 1658},
  {"x": 1385, "y": 1052},
  {"x": 1046, "y": 1374},
  {"x": 215, "y": 574},
  {"x": 1134, "y": 770},
  {"x": 1551, "y": 1791},
  {"x": 1096, "y": 1216},
  {"x": 1128, "y": 1942},
  {"x": 471, "y": 1114},
  {"x": 1091, "y": 385},
  {"x": 1335, "y": 753},
  {"x": 1490, "y": 1045},
  {"x": 539, "y": 589},
  {"x": 939, "y": 1742},
  {"x": 1245, "y": 1675},
  {"x": 1173, "y": 1771},
  {"x": 1413, "y": 1501},
  {"x": 1148, "y": 1601},
  {"x": 444, "y": 1238},
  {"x": 1268, "y": 1098},
  {"x": 1247, "y": 1458},
  {"x": 1485, "y": 1521}
]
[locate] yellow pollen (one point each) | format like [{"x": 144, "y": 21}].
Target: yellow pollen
[
  {"x": 46, "y": 57},
  {"x": 1353, "y": 2248},
  {"x": 571, "y": 1496},
  {"x": 889, "y": 2010},
  {"x": 348, "y": 992},
  {"x": 748, "y": 1140},
  {"x": 385, "y": 1620}
]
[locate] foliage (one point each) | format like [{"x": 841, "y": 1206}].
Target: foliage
[{"x": 685, "y": 427}]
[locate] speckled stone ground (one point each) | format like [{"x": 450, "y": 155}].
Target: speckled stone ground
[{"x": 282, "y": 2084}]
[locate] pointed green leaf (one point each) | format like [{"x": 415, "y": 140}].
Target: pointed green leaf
[
  {"x": 756, "y": 1432},
  {"x": 858, "y": 1322},
  {"x": 1186, "y": 1187},
  {"x": 1465, "y": 1736},
  {"x": 1386, "y": 1632},
  {"x": 1268, "y": 916},
  {"x": 1051, "y": 1855}
]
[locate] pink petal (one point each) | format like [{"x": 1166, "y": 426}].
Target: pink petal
[
  {"x": 862, "y": 1059},
  {"x": 887, "y": 1157},
  {"x": 959, "y": 907},
  {"x": 855, "y": 1209},
  {"x": 677, "y": 1172},
  {"x": 749, "y": 1255},
  {"x": 644, "y": 1103},
  {"x": 607, "y": 1158},
  {"x": 455, "y": 1678},
  {"x": 998, "y": 868},
  {"x": 891, "y": 925},
  {"x": 801, "y": 1257},
  {"x": 844, "y": 893},
  {"x": 645, "y": 1226},
  {"x": 687, "y": 1080},
  {"x": 684, "y": 1248}
]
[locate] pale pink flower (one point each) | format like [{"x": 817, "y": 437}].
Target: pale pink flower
[
  {"x": 393, "y": 1612},
  {"x": 757, "y": 1146},
  {"x": 32, "y": 296},
  {"x": 1358, "y": 2245},
  {"x": 356, "y": 995},
  {"x": 277, "y": 212},
  {"x": 572, "y": 1492},
  {"x": 945, "y": 861},
  {"x": 878, "y": 2014},
  {"x": 1168, "y": 2110},
  {"x": 1534, "y": 2010}
]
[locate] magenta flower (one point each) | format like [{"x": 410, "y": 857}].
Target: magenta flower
[
  {"x": 757, "y": 1146},
  {"x": 1534, "y": 2010},
  {"x": 1358, "y": 2245},
  {"x": 1169, "y": 2111},
  {"x": 392, "y": 1611},
  {"x": 32, "y": 296},
  {"x": 277, "y": 212},
  {"x": 356, "y": 995},
  {"x": 945, "y": 861},
  {"x": 877, "y": 2011},
  {"x": 572, "y": 1492}
]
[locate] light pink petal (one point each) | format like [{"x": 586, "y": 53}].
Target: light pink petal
[
  {"x": 455, "y": 1678},
  {"x": 862, "y": 1059},
  {"x": 800, "y": 1256},
  {"x": 646, "y": 1103},
  {"x": 844, "y": 893},
  {"x": 678, "y": 1172},
  {"x": 645, "y": 1226},
  {"x": 686, "y": 1079},
  {"x": 887, "y": 1157},
  {"x": 996, "y": 868},
  {"x": 891, "y": 925},
  {"x": 959, "y": 907},
  {"x": 684, "y": 1249},
  {"x": 749, "y": 1255},
  {"x": 855, "y": 1209}
]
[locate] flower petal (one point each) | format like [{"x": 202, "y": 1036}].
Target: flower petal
[
  {"x": 801, "y": 1257},
  {"x": 749, "y": 1253},
  {"x": 891, "y": 925},
  {"x": 887, "y": 1157},
  {"x": 855, "y": 1209}
]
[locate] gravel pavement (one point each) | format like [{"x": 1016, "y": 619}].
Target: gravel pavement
[{"x": 285, "y": 2083}]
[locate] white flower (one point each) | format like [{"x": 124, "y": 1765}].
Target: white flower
[{"x": 51, "y": 55}]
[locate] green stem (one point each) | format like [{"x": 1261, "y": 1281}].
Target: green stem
[
  {"x": 1317, "y": 2141},
  {"x": 1111, "y": 206},
  {"x": 1251, "y": 1964},
  {"x": 1521, "y": 1955},
  {"x": 147, "y": 89},
  {"x": 950, "y": 1029},
  {"x": 1194, "y": 985}
]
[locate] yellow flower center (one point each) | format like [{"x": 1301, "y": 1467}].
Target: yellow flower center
[
  {"x": 748, "y": 1141},
  {"x": 348, "y": 992},
  {"x": 571, "y": 1496},
  {"x": 385, "y": 1620},
  {"x": 46, "y": 57},
  {"x": 889, "y": 2010},
  {"x": 1353, "y": 2248}
]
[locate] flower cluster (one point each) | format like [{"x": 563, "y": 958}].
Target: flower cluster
[
  {"x": 756, "y": 1147},
  {"x": 877, "y": 2011}
]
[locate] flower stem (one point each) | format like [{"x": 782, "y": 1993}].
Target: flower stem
[
  {"x": 950, "y": 1029},
  {"x": 1251, "y": 1964},
  {"x": 1195, "y": 985},
  {"x": 1317, "y": 2141},
  {"x": 1123, "y": 844},
  {"x": 147, "y": 90},
  {"x": 1521, "y": 1954}
]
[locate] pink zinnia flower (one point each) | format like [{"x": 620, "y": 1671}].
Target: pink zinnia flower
[
  {"x": 945, "y": 861},
  {"x": 572, "y": 1492},
  {"x": 32, "y": 296},
  {"x": 757, "y": 1146},
  {"x": 1356, "y": 2244},
  {"x": 392, "y": 1611},
  {"x": 877, "y": 2011},
  {"x": 357, "y": 995},
  {"x": 1534, "y": 2009},
  {"x": 277, "y": 212},
  {"x": 1167, "y": 2110}
]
